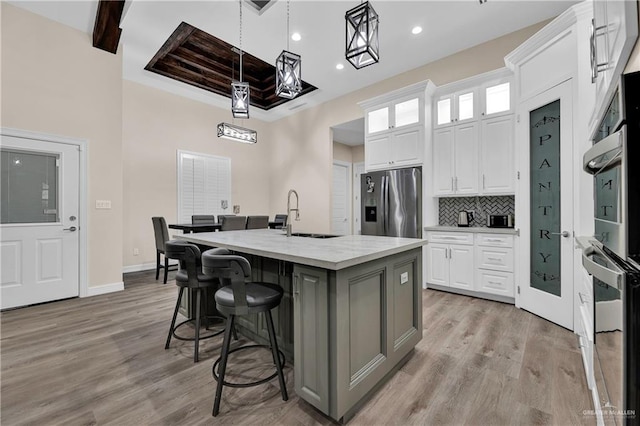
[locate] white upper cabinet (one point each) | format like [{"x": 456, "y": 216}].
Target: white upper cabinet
[
  {"x": 395, "y": 126},
  {"x": 497, "y": 98},
  {"x": 473, "y": 136},
  {"x": 614, "y": 30},
  {"x": 378, "y": 120},
  {"x": 395, "y": 114},
  {"x": 456, "y": 108}
]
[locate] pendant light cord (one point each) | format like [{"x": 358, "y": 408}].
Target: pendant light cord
[
  {"x": 288, "y": 32},
  {"x": 240, "y": 1}
]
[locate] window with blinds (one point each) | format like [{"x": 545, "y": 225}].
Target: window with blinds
[{"x": 204, "y": 185}]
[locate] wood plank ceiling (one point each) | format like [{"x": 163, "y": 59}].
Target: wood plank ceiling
[{"x": 197, "y": 58}]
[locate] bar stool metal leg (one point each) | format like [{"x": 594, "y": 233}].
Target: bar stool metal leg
[
  {"x": 197, "y": 339},
  {"x": 223, "y": 363},
  {"x": 175, "y": 315},
  {"x": 274, "y": 351}
]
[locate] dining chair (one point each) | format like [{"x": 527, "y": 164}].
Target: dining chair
[
  {"x": 161, "y": 233},
  {"x": 203, "y": 218},
  {"x": 257, "y": 222},
  {"x": 281, "y": 219},
  {"x": 233, "y": 223}
]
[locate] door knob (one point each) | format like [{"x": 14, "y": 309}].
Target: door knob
[
  {"x": 72, "y": 229},
  {"x": 565, "y": 234}
]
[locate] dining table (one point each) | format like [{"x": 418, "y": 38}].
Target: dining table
[{"x": 190, "y": 228}]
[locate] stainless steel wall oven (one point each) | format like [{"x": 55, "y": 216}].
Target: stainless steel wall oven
[{"x": 614, "y": 255}]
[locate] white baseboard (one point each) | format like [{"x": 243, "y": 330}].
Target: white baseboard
[
  {"x": 104, "y": 289},
  {"x": 144, "y": 267}
]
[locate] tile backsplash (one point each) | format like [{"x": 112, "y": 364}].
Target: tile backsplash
[{"x": 482, "y": 207}]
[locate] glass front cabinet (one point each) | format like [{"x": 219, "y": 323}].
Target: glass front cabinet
[
  {"x": 395, "y": 127},
  {"x": 473, "y": 134}
]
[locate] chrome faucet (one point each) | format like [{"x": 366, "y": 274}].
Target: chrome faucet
[{"x": 289, "y": 210}]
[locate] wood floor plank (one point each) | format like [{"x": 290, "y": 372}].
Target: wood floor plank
[{"x": 101, "y": 361}]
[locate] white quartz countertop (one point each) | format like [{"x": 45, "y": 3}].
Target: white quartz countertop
[
  {"x": 476, "y": 229},
  {"x": 329, "y": 253}
]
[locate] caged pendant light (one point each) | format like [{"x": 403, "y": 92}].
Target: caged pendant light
[
  {"x": 362, "y": 46},
  {"x": 288, "y": 71},
  {"x": 240, "y": 92}
]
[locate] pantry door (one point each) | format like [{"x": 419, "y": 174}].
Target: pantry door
[
  {"x": 544, "y": 202},
  {"x": 39, "y": 221}
]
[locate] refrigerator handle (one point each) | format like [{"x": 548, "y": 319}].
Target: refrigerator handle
[{"x": 385, "y": 189}]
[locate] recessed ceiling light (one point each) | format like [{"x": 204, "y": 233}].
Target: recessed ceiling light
[
  {"x": 416, "y": 30},
  {"x": 339, "y": 66},
  {"x": 296, "y": 37}
]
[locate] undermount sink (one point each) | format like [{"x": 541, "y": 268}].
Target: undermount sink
[{"x": 309, "y": 235}]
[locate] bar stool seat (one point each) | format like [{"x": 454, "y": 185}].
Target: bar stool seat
[
  {"x": 260, "y": 296},
  {"x": 238, "y": 297}
]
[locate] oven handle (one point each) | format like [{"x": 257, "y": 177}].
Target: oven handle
[
  {"x": 606, "y": 275},
  {"x": 612, "y": 142}
]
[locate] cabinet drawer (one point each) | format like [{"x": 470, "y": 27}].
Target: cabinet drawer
[
  {"x": 494, "y": 282},
  {"x": 451, "y": 237},
  {"x": 498, "y": 259},
  {"x": 495, "y": 240}
]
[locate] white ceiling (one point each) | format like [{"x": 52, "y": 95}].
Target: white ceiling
[
  {"x": 449, "y": 26},
  {"x": 350, "y": 133}
]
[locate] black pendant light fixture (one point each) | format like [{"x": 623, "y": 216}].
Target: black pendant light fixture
[
  {"x": 288, "y": 71},
  {"x": 240, "y": 92},
  {"x": 362, "y": 46}
]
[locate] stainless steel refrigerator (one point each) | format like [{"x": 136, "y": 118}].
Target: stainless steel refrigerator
[{"x": 391, "y": 202}]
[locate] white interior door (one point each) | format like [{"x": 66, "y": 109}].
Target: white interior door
[
  {"x": 357, "y": 201},
  {"x": 39, "y": 221},
  {"x": 544, "y": 201},
  {"x": 341, "y": 214}
]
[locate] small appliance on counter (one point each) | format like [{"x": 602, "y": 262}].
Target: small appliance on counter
[
  {"x": 500, "y": 221},
  {"x": 464, "y": 218}
]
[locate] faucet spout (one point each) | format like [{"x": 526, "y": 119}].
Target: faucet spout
[{"x": 289, "y": 210}]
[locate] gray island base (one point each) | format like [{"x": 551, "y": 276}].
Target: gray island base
[{"x": 352, "y": 311}]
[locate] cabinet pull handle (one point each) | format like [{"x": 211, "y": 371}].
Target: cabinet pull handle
[
  {"x": 296, "y": 292},
  {"x": 595, "y": 66},
  {"x": 494, "y": 259},
  {"x": 456, "y": 183},
  {"x": 452, "y": 183},
  {"x": 493, "y": 282},
  {"x": 483, "y": 178},
  {"x": 495, "y": 240}
]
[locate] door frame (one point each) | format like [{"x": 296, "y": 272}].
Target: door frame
[
  {"x": 564, "y": 91},
  {"x": 349, "y": 196},
  {"x": 83, "y": 223}
]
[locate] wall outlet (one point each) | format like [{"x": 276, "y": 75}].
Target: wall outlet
[
  {"x": 236, "y": 209},
  {"x": 103, "y": 204},
  {"x": 136, "y": 251}
]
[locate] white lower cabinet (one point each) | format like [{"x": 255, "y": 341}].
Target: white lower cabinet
[
  {"x": 450, "y": 259},
  {"x": 480, "y": 262}
]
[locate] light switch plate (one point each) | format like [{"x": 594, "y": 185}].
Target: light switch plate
[
  {"x": 236, "y": 209},
  {"x": 404, "y": 277},
  {"x": 103, "y": 204}
]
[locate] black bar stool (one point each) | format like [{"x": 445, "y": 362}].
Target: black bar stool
[
  {"x": 238, "y": 297},
  {"x": 190, "y": 276}
]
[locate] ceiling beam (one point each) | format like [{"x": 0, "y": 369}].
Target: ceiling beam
[{"x": 106, "y": 30}]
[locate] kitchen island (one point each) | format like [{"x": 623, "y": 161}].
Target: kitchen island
[{"x": 352, "y": 308}]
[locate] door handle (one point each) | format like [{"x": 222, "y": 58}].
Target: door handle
[
  {"x": 72, "y": 229},
  {"x": 565, "y": 234}
]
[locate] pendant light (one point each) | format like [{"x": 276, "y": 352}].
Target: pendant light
[
  {"x": 240, "y": 92},
  {"x": 237, "y": 133},
  {"x": 288, "y": 71},
  {"x": 362, "y": 46}
]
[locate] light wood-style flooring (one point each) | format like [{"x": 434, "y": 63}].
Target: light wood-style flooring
[{"x": 101, "y": 360}]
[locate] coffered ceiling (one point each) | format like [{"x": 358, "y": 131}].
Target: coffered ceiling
[{"x": 448, "y": 27}]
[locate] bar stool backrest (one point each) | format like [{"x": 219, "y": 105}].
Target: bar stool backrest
[
  {"x": 189, "y": 257},
  {"x": 231, "y": 270}
]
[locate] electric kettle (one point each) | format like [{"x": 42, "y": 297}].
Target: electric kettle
[{"x": 464, "y": 218}]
